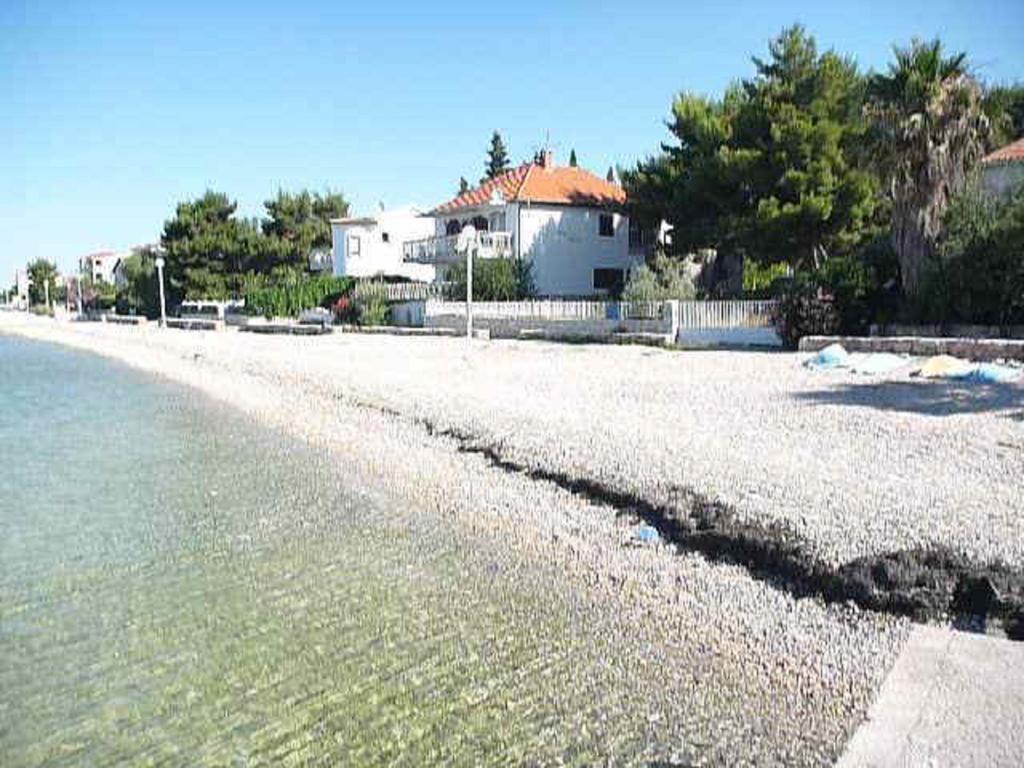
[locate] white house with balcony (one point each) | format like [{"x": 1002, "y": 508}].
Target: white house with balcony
[
  {"x": 568, "y": 223},
  {"x": 371, "y": 246}
]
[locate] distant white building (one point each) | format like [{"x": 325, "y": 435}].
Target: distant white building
[
  {"x": 1002, "y": 172},
  {"x": 21, "y": 288},
  {"x": 568, "y": 223},
  {"x": 371, "y": 246},
  {"x": 104, "y": 266}
]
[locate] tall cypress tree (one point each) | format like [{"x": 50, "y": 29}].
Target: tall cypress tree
[
  {"x": 497, "y": 157},
  {"x": 463, "y": 185},
  {"x": 611, "y": 174},
  {"x": 572, "y": 158}
]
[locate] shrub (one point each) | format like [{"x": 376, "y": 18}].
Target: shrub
[
  {"x": 804, "y": 309},
  {"x": 345, "y": 310},
  {"x": 370, "y": 305},
  {"x": 979, "y": 275},
  {"x": 493, "y": 280},
  {"x": 664, "y": 279},
  {"x": 293, "y": 294}
]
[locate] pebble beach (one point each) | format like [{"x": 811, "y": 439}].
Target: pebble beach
[{"x": 741, "y": 672}]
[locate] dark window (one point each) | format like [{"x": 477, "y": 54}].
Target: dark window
[
  {"x": 452, "y": 227},
  {"x": 606, "y": 225},
  {"x": 385, "y": 237},
  {"x": 610, "y": 280},
  {"x": 480, "y": 224}
]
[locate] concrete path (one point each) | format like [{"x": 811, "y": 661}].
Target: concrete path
[{"x": 951, "y": 699}]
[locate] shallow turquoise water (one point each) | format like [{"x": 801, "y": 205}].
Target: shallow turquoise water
[{"x": 179, "y": 586}]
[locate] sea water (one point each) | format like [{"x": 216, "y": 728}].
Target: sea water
[{"x": 181, "y": 586}]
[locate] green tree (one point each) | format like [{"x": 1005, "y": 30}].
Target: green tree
[
  {"x": 296, "y": 225},
  {"x": 140, "y": 294},
  {"x": 978, "y": 276},
  {"x": 208, "y": 249},
  {"x": 572, "y": 158},
  {"x": 929, "y": 129},
  {"x": 463, "y": 185},
  {"x": 1004, "y": 106},
  {"x": 41, "y": 273},
  {"x": 610, "y": 176},
  {"x": 497, "y": 157},
  {"x": 493, "y": 280},
  {"x": 771, "y": 169}
]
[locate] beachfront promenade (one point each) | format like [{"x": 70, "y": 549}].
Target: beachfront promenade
[{"x": 562, "y": 450}]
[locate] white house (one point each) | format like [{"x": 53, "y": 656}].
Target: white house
[
  {"x": 570, "y": 224},
  {"x": 371, "y": 246},
  {"x": 105, "y": 266},
  {"x": 1002, "y": 172},
  {"x": 21, "y": 283}
]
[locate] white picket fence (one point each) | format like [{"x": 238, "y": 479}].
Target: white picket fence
[
  {"x": 401, "y": 291},
  {"x": 542, "y": 309},
  {"x": 693, "y": 315},
  {"x": 689, "y": 323},
  {"x": 698, "y": 315}
]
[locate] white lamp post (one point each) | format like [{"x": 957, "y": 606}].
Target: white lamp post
[
  {"x": 467, "y": 242},
  {"x": 160, "y": 279}
]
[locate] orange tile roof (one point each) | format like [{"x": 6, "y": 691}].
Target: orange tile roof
[
  {"x": 1011, "y": 153},
  {"x": 561, "y": 185}
]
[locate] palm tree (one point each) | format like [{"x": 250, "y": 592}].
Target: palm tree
[{"x": 927, "y": 117}]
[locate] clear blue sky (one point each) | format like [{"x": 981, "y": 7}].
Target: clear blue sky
[{"x": 114, "y": 111}]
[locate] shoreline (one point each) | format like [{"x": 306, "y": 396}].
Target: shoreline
[
  {"x": 792, "y": 536},
  {"x": 801, "y": 654}
]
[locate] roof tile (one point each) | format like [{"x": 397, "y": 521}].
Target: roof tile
[
  {"x": 562, "y": 185},
  {"x": 1011, "y": 153}
]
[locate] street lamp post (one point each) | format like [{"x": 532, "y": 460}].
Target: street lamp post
[{"x": 160, "y": 279}]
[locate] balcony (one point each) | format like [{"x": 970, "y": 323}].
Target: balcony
[{"x": 442, "y": 249}]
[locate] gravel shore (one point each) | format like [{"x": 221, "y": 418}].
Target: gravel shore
[
  {"x": 854, "y": 465},
  {"x": 741, "y": 672}
]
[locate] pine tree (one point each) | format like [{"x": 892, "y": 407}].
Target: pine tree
[
  {"x": 463, "y": 185},
  {"x": 572, "y": 158},
  {"x": 497, "y": 157},
  {"x": 611, "y": 174}
]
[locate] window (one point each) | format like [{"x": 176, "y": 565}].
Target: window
[
  {"x": 385, "y": 237},
  {"x": 610, "y": 280},
  {"x": 452, "y": 227},
  {"x": 606, "y": 225},
  {"x": 353, "y": 245}
]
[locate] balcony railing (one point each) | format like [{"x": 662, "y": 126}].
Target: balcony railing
[{"x": 442, "y": 249}]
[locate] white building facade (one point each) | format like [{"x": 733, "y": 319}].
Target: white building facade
[
  {"x": 1002, "y": 172},
  {"x": 105, "y": 267},
  {"x": 371, "y": 246},
  {"x": 570, "y": 225}
]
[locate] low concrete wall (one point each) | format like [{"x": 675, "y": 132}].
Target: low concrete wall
[
  {"x": 124, "y": 319},
  {"x": 408, "y": 313},
  {"x": 728, "y": 337},
  {"x": 195, "y": 324},
  {"x": 970, "y": 349},
  {"x": 951, "y": 330}
]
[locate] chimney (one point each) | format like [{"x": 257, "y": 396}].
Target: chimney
[{"x": 547, "y": 159}]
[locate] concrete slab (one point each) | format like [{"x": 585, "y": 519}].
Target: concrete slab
[{"x": 951, "y": 699}]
